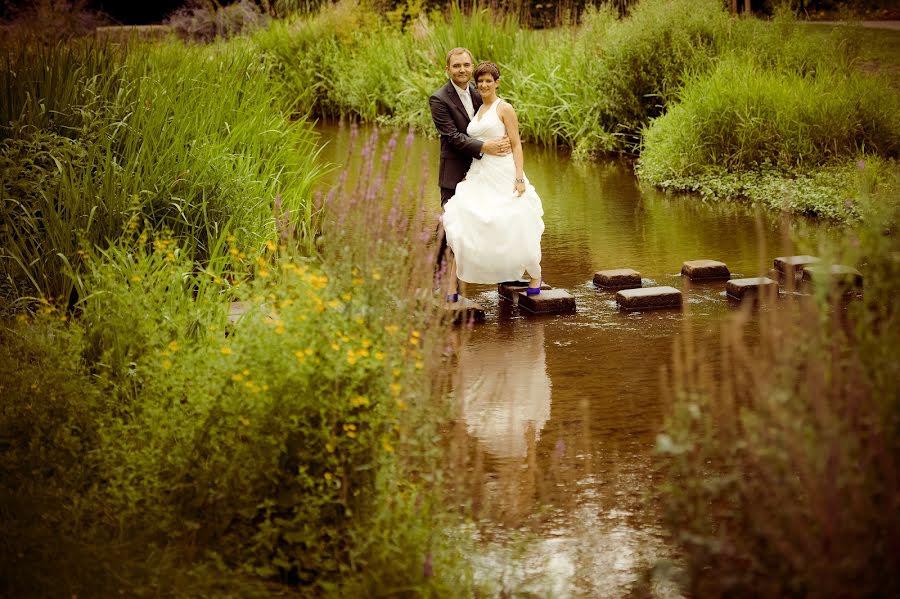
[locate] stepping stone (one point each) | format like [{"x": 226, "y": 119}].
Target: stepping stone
[
  {"x": 751, "y": 288},
  {"x": 551, "y": 301},
  {"x": 845, "y": 278},
  {"x": 791, "y": 267},
  {"x": 465, "y": 310},
  {"x": 648, "y": 298},
  {"x": 235, "y": 311},
  {"x": 698, "y": 270},
  {"x": 619, "y": 278},
  {"x": 509, "y": 289}
]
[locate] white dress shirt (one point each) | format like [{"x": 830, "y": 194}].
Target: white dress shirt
[{"x": 466, "y": 98}]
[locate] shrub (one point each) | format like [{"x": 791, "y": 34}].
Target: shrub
[
  {"x": 780, "y": 477},
  {"x": 182, "y": 138}
]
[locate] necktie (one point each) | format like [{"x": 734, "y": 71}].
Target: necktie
[{"x": 467, "y": 102}]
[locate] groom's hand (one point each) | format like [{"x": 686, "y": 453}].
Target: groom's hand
[{"x": 498, "y": 146}]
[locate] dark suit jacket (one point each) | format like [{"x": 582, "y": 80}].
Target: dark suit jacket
[{"x": 457, "y": 148}]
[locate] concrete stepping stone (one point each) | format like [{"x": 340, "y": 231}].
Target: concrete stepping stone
[
  {"x": 465, "y": 310},
  {"x": 235, "y": 311},
  {"x": 844, "y": 278},
  {"x": 791, "y": 267},
  {"x": 705, "y": 270},
  {"x": 509, "y": 289},
  {"x": 649, "y": 298},
  {"x": 751, "y": 288},
  {"x": 551, "y": 301},
  {"x": 618, "y": 278}
]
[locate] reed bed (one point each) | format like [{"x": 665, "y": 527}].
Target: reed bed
[{"x": 780, "y": 475}]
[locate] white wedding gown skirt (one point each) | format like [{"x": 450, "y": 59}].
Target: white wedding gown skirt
[{"x": 494, "y": 233}]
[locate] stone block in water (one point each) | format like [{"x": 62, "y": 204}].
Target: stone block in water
[
  {"x": 551, "y": 301},
  {"x": 791, "y": 267},
  {"x": 509, "y": 289},
  {"x": 751, "y": 288},
  {"x": 698, "y": 270},
  {"x": 465, "y": 310},
  {"x": 845, "y": 279},
  {"x": 649, "y": 298},
  {"x": 618, "y": 278}
]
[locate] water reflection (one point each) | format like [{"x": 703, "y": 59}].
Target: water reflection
[
  {"x": 505, "y": 396},
  {"x": 560, "y": 413}
]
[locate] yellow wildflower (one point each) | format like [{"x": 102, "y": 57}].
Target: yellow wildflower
[
  {"x": 359, "y": 401},
  {"x": 226, "y": 350},
  {"x": 237, "y": 377},
  {"x": 173, "y": 345},
  {"x": 395, "y": 389},
  {"x": 391, "y": 328},
  {"x": 136, "y": 279},
  {"x": 167, "y": 364},
  {"x": 270, "y": 245},
  {"x": 301, "y": 357},
  {"x": 387, "y": 445},
  {"x": 327, "y": 476},
  {"x": 379, "y": 355},
  {"x": 419, "y": 365},
  {"x": 263, "y": 272},
  {"x": 244, "y": 420},
  {"x": 346, "y": 297}
]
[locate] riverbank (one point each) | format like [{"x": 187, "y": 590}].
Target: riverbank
[{"x": 605, "y": 86}]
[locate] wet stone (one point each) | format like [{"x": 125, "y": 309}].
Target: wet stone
[
  {"x": 618, "y": 278},
  {"x": 753, "y": 287},
  {"x": 509, "y": 289},
  {"x": 465, "y": 310},
  {"x": 842, "y": 277},
  {"x": 705, "y": 270},
  {"x": 648, "y": 298},
  {"x": 790, "y": 268},
  {"x": 551, "y": 301}
]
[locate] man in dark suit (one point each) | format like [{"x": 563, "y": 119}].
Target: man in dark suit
[{"x": 452, "y": 108}]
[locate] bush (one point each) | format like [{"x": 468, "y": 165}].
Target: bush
[
  {"x": 780, "y": 478},
  {"x": 181, "y": 138}
]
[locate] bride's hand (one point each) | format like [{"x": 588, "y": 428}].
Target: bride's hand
[{"x": 519, "y": 189}]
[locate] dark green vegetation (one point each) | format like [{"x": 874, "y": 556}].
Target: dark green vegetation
[
  {"x": 781, "y": 475},
  {"x": 728, "y": 107},
  {"x": 149, "y": 447}
]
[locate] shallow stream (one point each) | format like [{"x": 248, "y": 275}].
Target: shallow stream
[{"x": 561, "y": 412}]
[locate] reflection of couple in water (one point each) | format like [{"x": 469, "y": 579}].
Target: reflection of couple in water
[
  {"x": 492, "y": 214},
  {"x": 504, "y": 391}
]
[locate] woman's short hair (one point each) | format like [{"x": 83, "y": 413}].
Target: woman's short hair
[{"x": 486, "y": 68}]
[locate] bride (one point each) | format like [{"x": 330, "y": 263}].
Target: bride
[{"x": 494, "y": 222}]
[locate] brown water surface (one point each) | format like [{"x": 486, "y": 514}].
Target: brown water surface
[{"x": 560, "y": 413}]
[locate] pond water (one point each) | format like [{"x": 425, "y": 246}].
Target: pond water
[{"x": 561, "y": 413}]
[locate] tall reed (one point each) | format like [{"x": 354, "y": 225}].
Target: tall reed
[
  {"x": 184, "y": 138},
  {"x": 780, "y": 475}
]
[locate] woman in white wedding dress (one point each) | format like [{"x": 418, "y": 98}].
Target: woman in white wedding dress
[{"x": 494, "y": 222}]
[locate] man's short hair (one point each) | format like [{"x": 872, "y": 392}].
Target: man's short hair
[{"x": 459, "y": 51}]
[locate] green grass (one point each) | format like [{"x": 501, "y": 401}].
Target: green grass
[{"x": 183, "y": 138}]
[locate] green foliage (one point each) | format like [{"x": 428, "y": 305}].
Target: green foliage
[
  {"x": 742, "y": 117},
  {"x": 95, "y": 138},
  {"x": 780, "y": 476}
]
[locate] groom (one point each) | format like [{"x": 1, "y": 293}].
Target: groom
[{"x": 452, "y": 108}]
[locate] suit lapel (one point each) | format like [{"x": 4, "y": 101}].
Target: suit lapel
[{"x": 454, "y": 99}]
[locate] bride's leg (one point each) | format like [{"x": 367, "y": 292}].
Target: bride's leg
[{"x": 452, "y": 287}]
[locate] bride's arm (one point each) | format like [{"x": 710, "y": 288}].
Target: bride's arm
[{"x": 508, "y": 115}]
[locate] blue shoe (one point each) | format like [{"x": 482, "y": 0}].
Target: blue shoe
[
  {"x": 452, "y": 297},
  {"x": 534, "y": 290}
]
